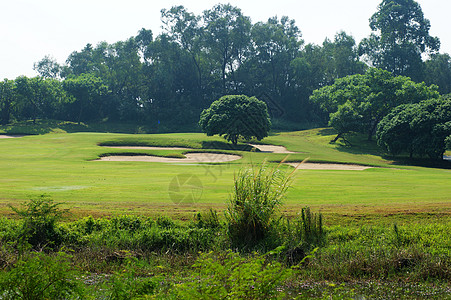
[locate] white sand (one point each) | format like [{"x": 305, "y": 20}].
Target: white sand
[
  {"x": 190, "y": 158},
  {"x": 271, "y": 148},
  {"x": 219, "y": 158},
  {"x": 5, "y": 136}
]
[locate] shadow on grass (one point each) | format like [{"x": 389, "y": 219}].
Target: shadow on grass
[
  {"x": 359, "y": 144},
  {"x": 421, "y": 162},
  {"x": 48, "y": 126},
  {"x": 227, "y": 146},
  {"x": 327, "y": 131},
  {"x": 356, "y": 143}
]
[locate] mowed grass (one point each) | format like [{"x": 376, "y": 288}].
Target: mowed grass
[{"x": 63, "y": 166}]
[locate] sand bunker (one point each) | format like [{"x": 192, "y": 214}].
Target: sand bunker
[
  {"x": 262, "y": 148},
  {"x": 271, "y": 148},
  {"x": 190, "y": 158},
  {"x": 327, "y": 166},
  {"x": 148, "y": 148},
  {"x": 6, "y": 136}
]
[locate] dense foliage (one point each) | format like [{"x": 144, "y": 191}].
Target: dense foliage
[
  {"x": 127, "y": 257},
  {"x": 357, "y": 103},
  {"x": 165, "y": 81},
  {"x": 400, "y": 37},
  {"x": 417, "y": 129},
  {"x": 236, "y": 116}
]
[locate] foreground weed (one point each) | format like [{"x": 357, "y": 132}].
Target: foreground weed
[
  {"x": 126, "y": 284},
  {"x": 233, "y": 277},
  {"x": 255, "y": 201},
  {"x": 40, "y": 276}
]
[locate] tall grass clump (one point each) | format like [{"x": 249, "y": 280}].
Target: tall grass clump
[
  {"x": 253, "y": 207},
  {"x": 309, "y": 227}
]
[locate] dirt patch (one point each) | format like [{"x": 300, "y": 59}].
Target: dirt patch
[
  {"x": 271, "y": 148},
  {"x": 190, "y": 158},
  {"x": 148, "y": 148},
  {"x": 327, "y": 166}
]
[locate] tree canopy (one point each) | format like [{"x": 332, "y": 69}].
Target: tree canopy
[
  {"x": 235, "y": 116},
  {"x": 357, "y": 103},
  {"x": 165, "y": 81},
  {"x": 417, "y": 129},
  {"x": 400, "y": 36}
]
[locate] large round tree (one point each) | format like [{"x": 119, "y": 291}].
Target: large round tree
[
  {"x": 419, "y": 129},
  {"x": 235, "y": 116}
]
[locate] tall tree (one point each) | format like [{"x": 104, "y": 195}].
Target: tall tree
[
  {"x": 342, "y": 56},
  {"x": 87, "y": 91},
  {"x": 400, "y": 36},
  {"x": 172, "y": 89},
  {"x": 184, "y": 28},
  {"x": 438, "y": 71},
  {"x": 7, "y": 100},
  {"x": 80, "y": 62},
  {"x": 48, "y": 67},
  {"x": 227, "y": 38},
  {"x": 38, "y": 97}
]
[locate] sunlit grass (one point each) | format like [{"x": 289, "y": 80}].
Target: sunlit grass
[{"x": 63, "y": 166}]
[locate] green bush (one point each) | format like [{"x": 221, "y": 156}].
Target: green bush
[
  {"x": 233, "y": 277},
  {"x": 40, "y": 216},
  {"x": 40, "y": 276}
]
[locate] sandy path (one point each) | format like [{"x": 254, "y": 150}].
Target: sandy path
[
  {"x": 271, "y": 148},
  {"x": 326, "y": 166},
  {"x": 190, "y": 158},
  {"x": 148, "y": 148}
]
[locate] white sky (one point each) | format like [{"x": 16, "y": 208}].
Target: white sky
[{"x": 31, "y": 29}]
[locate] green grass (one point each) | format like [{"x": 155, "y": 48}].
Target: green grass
[
  {"x": 363, "y": 255},
  {"x": 61, "y": 165}
]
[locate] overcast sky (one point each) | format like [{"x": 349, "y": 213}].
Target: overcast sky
[{"x": 31, "y": 29}]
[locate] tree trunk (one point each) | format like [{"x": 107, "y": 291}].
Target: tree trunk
[{"x": 337, "y": 138}]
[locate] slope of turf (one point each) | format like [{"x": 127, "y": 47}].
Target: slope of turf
[{"x": 62, "y": 166}]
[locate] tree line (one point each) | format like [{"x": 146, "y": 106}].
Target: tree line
[{"x": 169, "y": 79}]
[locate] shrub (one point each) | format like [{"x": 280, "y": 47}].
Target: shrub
[
  {"x": 233, "y": 277},
  {"x": 40, "y": 276},
  {"x": 40, "y": 216}
]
